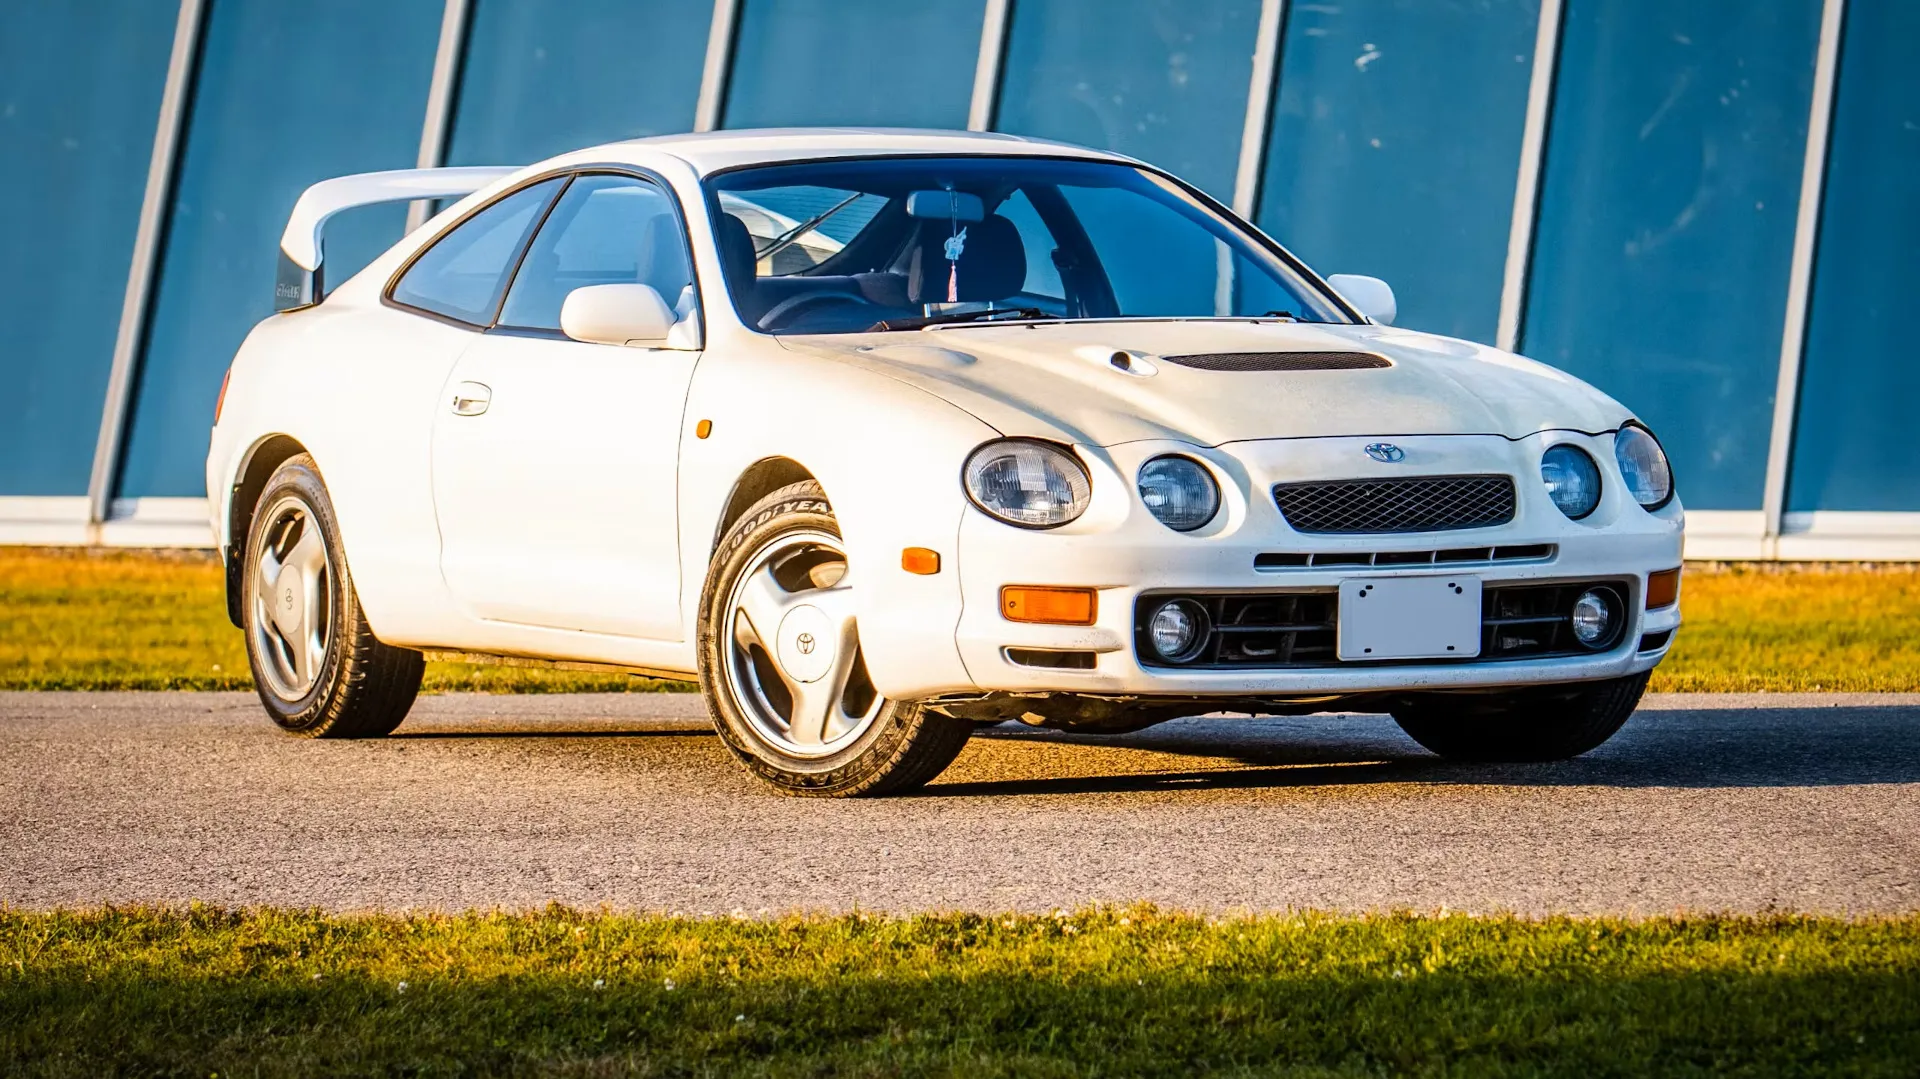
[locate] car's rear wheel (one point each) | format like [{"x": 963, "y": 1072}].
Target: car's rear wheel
[
  {"x": 1544, "y": 723},
  {"x": 782, "y": 668},
  {"x": 317, "y": 666}
]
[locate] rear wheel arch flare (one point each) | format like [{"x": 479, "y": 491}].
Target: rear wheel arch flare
[{"x": 761, "y": 478}]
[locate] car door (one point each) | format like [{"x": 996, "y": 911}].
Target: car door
[{"x": 554, "y": 460}]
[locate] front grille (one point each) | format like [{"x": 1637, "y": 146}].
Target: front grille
[
  {"x": 1413, "y": 504},
  {"x": 1280, "y": 361},
  {"x": 1269, "y": 630}
]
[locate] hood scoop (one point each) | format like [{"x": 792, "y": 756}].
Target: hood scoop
[{"x": 1280, "y": 361}]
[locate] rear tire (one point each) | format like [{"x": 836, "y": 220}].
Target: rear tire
[
  {"x": 790, "y": 697},
  {"x": 1547, "y": 723},
  {"x": 317, "y": 666}
]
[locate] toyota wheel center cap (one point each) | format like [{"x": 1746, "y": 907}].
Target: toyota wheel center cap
[{"x": 807, "y": 643}]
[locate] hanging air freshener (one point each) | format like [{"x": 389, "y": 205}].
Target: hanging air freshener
[{"x": 956, "y": 244}]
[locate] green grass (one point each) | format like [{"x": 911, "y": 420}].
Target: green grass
[
  {"x": 1109, "y": 992},
  {"x": 94, "y": 620},
  {"x": 77, "y": 619}
]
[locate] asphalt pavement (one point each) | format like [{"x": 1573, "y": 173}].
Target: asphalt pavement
[{"x": 1704, "y": 802}]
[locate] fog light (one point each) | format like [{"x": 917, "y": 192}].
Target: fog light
[
  {"x": 1178, "y": 630},
  {"x": 1593, "y": 618}
]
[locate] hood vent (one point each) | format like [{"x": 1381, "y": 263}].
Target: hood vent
[{"x": 1281, "y": 361}]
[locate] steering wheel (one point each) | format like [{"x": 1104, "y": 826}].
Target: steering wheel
[{"x": 785, "y": 308}]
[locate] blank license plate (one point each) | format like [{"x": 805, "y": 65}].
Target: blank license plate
[{"x": 1410, "y": 617}]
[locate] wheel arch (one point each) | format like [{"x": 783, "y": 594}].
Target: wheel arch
[
  {"x": 256, "y": 467},
  {"x": 761, "y": 477}
]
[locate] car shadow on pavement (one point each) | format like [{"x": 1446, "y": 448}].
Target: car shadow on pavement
[{"x": 1690, "y": 748}]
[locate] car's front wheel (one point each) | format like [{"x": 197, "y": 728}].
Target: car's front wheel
[
  {"x": 317, "y": 666},
  {"x": 781, "y": 663},
  {"x": 1544, "y": 723}
]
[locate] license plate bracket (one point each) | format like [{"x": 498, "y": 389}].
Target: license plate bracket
[{"x": 1425, "y": 617}]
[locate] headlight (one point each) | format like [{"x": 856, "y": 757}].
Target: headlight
[
  {"x": 1572, "y": 479},
  {"x": 1179, "y": 492},
  {"x": 1643, "y": 464},
  {"x": 1026, "y": 483}
]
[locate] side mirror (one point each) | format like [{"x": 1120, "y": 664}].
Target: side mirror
[
  {"x": 617, "y": 315},
  {"x": 1372, "y": 296}
]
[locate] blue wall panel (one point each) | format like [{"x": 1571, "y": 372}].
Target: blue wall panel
[
  {"x": 1161, "y": 80},
  {"x": 287, "y": 95},
  {"x": 1666, "y": 221},
  {"x": 80, "y": 86},
  {"x": 1860, "y": 381},
  {"x": 866, "y": 62},
  {"x": 542, "y": 78},
  {"x": 1395, "y": 145}
]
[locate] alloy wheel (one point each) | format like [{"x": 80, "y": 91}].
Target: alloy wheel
[{"x": 792, "y": 649}]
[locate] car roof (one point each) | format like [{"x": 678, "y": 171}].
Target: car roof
[{"x": 711, "y": 152}]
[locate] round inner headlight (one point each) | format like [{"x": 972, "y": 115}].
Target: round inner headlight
[
  {"x": 1593, "y": 617},
  {"x": 1572, "y": 479},
  {"x": 1177, "y": 630},
  {"x": 1643, "y": 464},
  {"x": 1027, "y": 483},
  {"x": 1179, "y": 492}
]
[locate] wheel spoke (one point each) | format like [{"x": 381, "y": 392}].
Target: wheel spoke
[
  {"x": 763, "y": 603},
  {"x": 266, "y": 575},
  {"x": 310, "y": 553}
]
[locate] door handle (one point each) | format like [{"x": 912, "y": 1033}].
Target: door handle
[{"x": 471, "y": 398}]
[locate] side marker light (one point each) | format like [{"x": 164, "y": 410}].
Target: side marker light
[
  {"x": 1059, "y": 606},
  {"x": 920, "y": 560}
]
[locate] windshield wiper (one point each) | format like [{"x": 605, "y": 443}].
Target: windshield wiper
[
  {"x": 919, "y": 321},
  {"x": 792, "y": 236}
]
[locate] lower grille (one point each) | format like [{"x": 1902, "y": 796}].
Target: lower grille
[
  {"x": 1276, "y": 630},
  {"x": 1413, "y": 504}
]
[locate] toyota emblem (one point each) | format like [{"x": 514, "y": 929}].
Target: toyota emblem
[
  {"x": 1386, "y": 452},
  {"x": 804, "y": 643}
]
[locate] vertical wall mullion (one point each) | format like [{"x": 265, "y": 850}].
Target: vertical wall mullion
[
  {"x": 1526, "y": 188},
  {"x": 1806, "y": 237},
  {"x": 134, "y": 305},
  {"x": 1260, "y": 91},
  {"x": 719, "y": 68},
  {"x": 440, "y": 100},
  {"x": 986, "y": 70}
]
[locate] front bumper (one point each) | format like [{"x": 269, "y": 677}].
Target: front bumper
[{"x": 1121, "y": 550}]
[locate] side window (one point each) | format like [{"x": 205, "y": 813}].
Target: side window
[
  {"x": 605, "y": 230},
  {"x": 461, "y": 275}
]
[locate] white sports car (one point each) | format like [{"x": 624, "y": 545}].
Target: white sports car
[{"x": 886, "y": 434}]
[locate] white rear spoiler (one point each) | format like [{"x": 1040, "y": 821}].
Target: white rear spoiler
[{"x": 299, "y": 282}]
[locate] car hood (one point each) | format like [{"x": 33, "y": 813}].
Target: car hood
[{"x": 1059, "y": 380}]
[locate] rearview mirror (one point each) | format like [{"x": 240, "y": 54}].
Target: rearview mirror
[
  {"x": 946, "y": 206},
  {"x": 617, "y": 315},
  {"x": 1371, "y": 296}
]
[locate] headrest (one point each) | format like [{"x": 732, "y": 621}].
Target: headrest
[
  {"x": 992, "y": 265},
  {"x": 736, "y": 252}
]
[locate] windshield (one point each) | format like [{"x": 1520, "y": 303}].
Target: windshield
[{"x": 899, "y": 242}]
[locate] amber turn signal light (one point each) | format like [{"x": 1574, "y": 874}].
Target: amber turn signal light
[
  {"x": 920, "y": 560},
  {"x": 1663, "y": 588},
  {"x": 1060, "y": 606}
]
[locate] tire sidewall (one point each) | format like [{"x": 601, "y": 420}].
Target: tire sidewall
[
  {"x": 796, "y": 508},
  {"x": 298, "y": 476}
]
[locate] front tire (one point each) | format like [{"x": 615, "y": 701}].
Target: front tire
[
  {"x": 317, "y": 666},
  {"x": 1547, "y": 723},
  {"x": 782, "y": 669}
]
